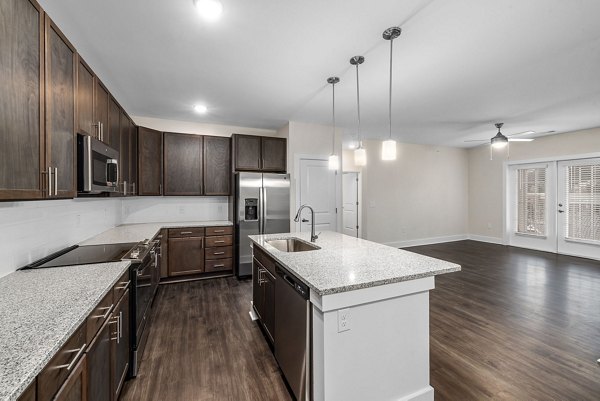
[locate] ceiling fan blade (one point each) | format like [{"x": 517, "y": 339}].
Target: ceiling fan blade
[
  {"x": 476, "y": 140},
  {"x": 521, "y": 133},
  {"x": 520, "y": 139}
]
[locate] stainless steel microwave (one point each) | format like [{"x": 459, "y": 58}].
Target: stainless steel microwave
[{"x": 97, "y": 166}]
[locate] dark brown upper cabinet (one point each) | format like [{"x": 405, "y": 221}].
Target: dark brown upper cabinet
[
  {"x": 150, "y": 154},
  {"x": 124, "y": 154},
  {"x": 85, "y": 100},
  {"x": 255, "y": 153},
  {"x": 22, "y": 165},
  {"x": 133, "y": 155},
  {"x": 113, "y": 132},
  {"x": 217, "y": 176},
  {"x": 101, "y": 100},
  {"x": 183, "y": 164},
  {"x": 61, "y": 62}
]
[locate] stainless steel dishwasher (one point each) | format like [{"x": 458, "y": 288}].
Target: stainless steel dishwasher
[{"x": 293, "y": 332}]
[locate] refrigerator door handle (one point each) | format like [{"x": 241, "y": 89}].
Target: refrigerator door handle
[
  {"x": 264, "y": 206},
  {"x": 260, "y": 211}
]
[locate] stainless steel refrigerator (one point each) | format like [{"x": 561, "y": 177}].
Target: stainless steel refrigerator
[{"x": 262, "y": 206}]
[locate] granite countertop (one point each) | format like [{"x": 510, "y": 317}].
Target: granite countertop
[
  {"x": 347, "y": 263},
  {"x": 139, "y": 232},
  {"x": 40, "y": 310}
]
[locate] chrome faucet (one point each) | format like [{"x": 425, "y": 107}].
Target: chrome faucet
[{"x": 313, "y": 236}]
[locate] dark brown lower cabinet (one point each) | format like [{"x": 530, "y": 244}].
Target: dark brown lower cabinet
[
  {"x": 75, "y": 388},
  {"x": 120, "y": 346},
  {"x": 186, "y": 255},
  {"x": 29, "y": 394},
  {"x": 99, "y": 363},
  {"x": 263, "y": 296}
]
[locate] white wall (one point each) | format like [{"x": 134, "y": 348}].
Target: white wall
[
  {"x": 34, "y": 229},
  {"x": 419, "y": 198},
  {"x": 486, "y": 182},
  {"x": 189, "y": 127},
  {"x": 174, "y": 209},
  {"x": 306, "y": 139}
]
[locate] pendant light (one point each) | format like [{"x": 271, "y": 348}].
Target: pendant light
[
  {"x": 360, "y": 154},
  {"x": 334, "y": 160},
  {"x": 388, "y": 147}
]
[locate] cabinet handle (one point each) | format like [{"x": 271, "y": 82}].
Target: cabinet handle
[
  {"x": 125, "y": 188},
  {"x": 133, "y": 192},
  {"x": 49, "y": 181},
  {"x": 70, "y": 365},
  {"x": 120, "y": 324},
  {"x": 185, "y": 232},
  {"x": 125, "y": 285},
  {"x": 115, "y": 320},
  {"x": 218, "y": 253},
  {"x": 55, "y": 181},
  {"x": 219, "y": 231},
  {"x": 107, "y": 308},
  {"x": 221, "y": 265}
]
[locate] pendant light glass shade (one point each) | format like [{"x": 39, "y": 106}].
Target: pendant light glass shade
[
  {"x": 388, "y": 150},
  {"x": 334, "y": 162},
  {"x": 360, "y": 157}
]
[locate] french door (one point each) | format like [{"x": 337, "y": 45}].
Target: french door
[{"x": 555, "y": 207}]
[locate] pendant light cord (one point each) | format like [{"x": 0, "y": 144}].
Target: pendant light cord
[
  {"x": 390, "y": 103},
  {"x": 358, "y": 106},
  {"x": 333, "y": 121}
]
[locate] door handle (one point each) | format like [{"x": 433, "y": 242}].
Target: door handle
[
  {"x": 305, "y": 220},
  {"x": 561, "y": 211}
]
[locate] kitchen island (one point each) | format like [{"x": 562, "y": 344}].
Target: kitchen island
[{"x": 368, "y": 314}]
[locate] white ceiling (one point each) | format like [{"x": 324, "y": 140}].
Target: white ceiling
[{"x": 460, "y": 65}]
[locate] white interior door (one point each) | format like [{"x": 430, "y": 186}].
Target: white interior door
[
  {"x": 578, "y": 208},
  {"x": 531, "y": 212},
  {"x": 350, "y": 204},
  {"x": 317, "y": 189}
]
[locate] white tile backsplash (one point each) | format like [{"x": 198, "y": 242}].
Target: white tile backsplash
[{"x": 31, "y": 230}]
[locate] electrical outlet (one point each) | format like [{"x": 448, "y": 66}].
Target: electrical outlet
[
  {"x": 343, "y": 320},
  {"x": 181, "y": 209}
]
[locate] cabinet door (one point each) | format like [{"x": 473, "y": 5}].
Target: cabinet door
[
  {"x": 247, "y": 152},
  {"x": 133, "y": 152},
  {"x": 182, "y": 164},
  {"x": 60, "y": 112},
  {"x": 217, "y": 165},
  {"x": 258, "y": 299},
  {"x": 99, "y": 363},
  {"x": 85, "y": 100},
  {"x": 149, "y": 162},
  {"x": 274, "y": 154},
  {"x": 268, "y": 316},
  {"x": 101, "y": 110},
  {"x": 113, "y": 131},
  {"x": 186, "y": 256},
  {"x": 124, "y": 165},
  {"x": 29, "y": 394},
  {"x": 21, "y": 103},
  {"x": 74, "y": 389},
  {"x": 120, "y": 346}
]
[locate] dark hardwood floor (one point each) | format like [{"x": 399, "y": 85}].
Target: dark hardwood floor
[
  {"x": 514, "y": 324},
  {"x": 204, "y": 347}
]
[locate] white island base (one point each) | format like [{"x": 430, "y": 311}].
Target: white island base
[{"x": 384, "y": 353}]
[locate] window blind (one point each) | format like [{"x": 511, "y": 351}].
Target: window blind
[
  {"x": 531, "y": 202},
  {"x": 583, "y": 202}
]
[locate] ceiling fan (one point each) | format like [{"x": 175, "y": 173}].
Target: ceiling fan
[{"x": 501, "y": 140}]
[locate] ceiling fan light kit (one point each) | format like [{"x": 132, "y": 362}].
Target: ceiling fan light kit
[{"x": 499, "y": 142}]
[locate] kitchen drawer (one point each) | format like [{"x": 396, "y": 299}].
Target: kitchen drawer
[
  {"x": 218, "y": 265},
  {"x": 98, "y": 316},
  {"x": 186, "y": 232},
  {"x": 264, "y": 260},
  {"x": 212, "y": 231},
  {"x": 61, "y": 365},
  {"x": 224, "y": 240},
  {"x": 222, "y": 252},
  {"x": 121, "y": 286}
]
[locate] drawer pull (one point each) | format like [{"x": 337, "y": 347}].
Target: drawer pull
[
  {"x": 218, "y": 253},
  {"x": 219, "y": 242},
  {"x": 107, "y": 308},
  {"x": 70, "y": 365},
  {"x": 186, "y": 232},
  {"x": 221, "y": 265},
  {"x": 125, "y": 285},
  {"x": 219, "y": 231}
]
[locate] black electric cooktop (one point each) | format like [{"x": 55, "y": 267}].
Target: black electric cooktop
[{"x": 83, "y": 255}]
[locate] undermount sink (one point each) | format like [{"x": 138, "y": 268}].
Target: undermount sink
[{"x": 292, "y": 245}]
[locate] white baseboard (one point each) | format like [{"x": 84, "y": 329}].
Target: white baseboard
[
  {"x": 483, "y": 238},
  {"x": 427, "y": 241}
]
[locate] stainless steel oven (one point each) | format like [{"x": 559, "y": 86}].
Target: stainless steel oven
[{"x": 97, "y": 166}]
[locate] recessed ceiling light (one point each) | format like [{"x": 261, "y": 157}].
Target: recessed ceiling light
[
  {"x": 210, "y": 10},
  {"x": 200, "y": 108}
]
